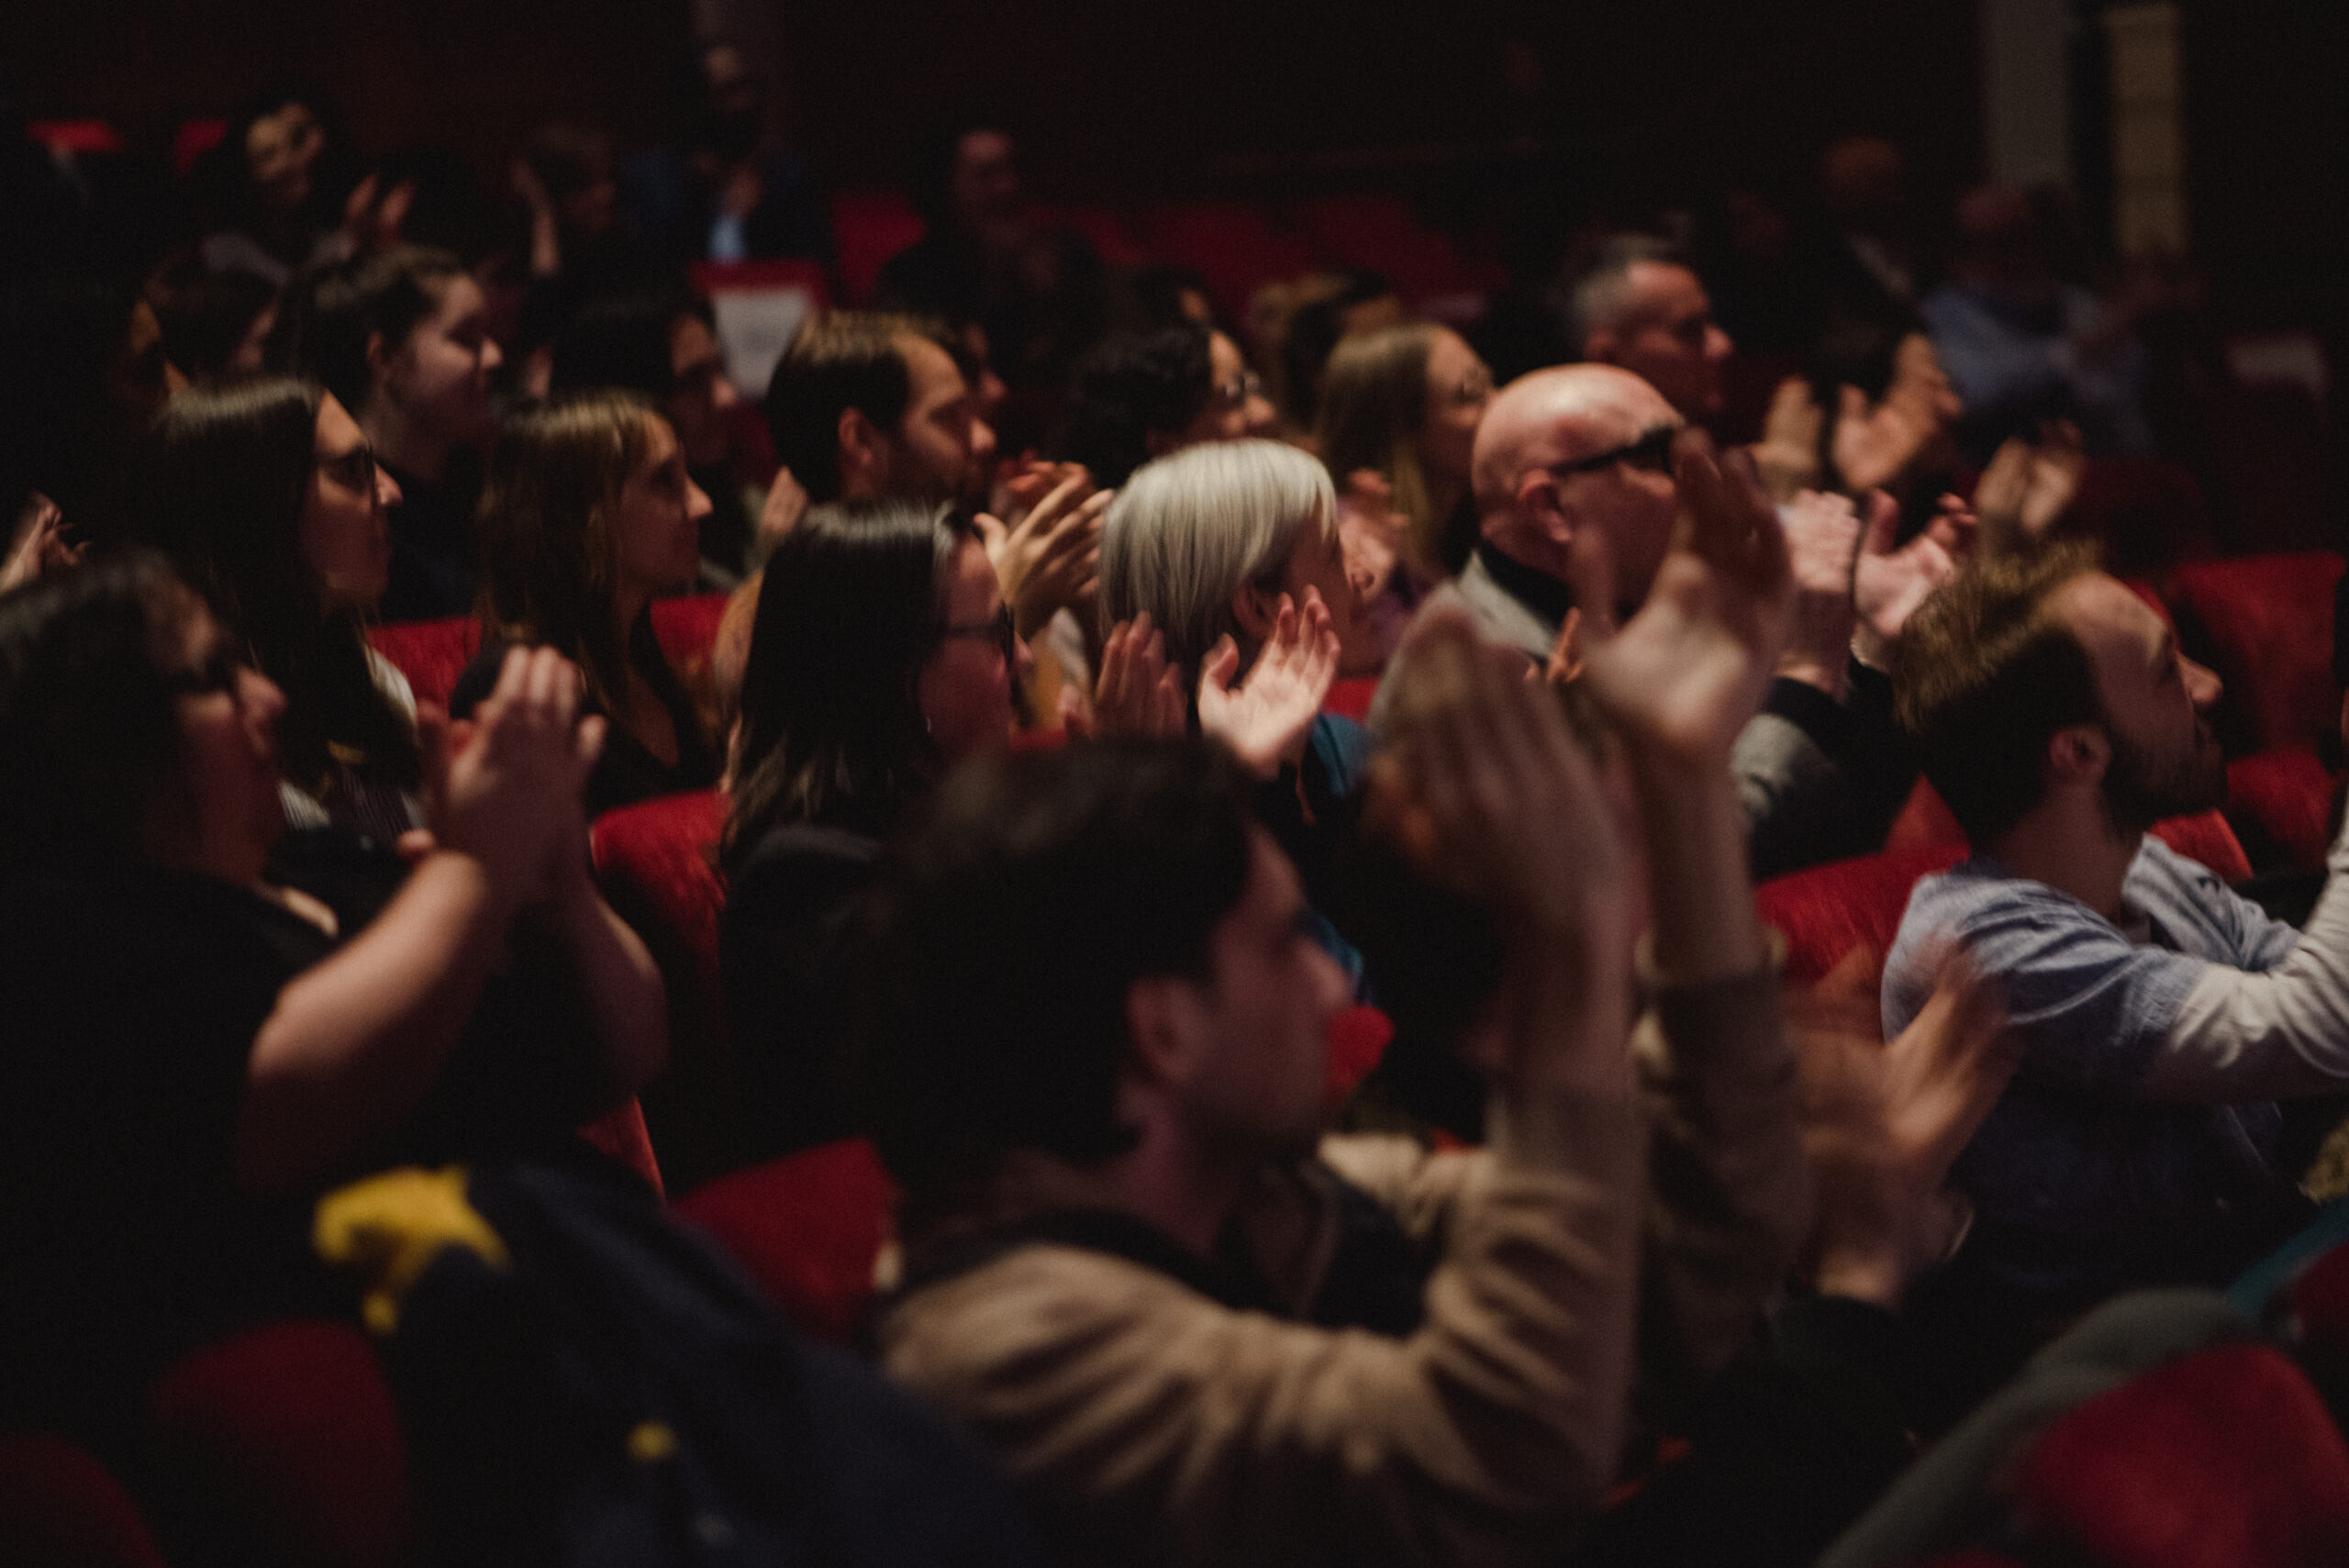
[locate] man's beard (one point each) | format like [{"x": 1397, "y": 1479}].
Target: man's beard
[{"x": 2140, "y": 791}]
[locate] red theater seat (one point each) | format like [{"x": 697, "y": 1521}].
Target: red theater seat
[
  {"x": 2147, "y": 513},
  {"x": 807, "y": 1228},
  {"x": 2222, "y": 1457},
  {"x": 1232, "y": 245},
  {"x": 430, "y": 653},
  {"x": 1349, "y": 698},
  {"x": 60, "y": 1508},
  {"x": 2266, "y": 621},
  {"x": 2288, "y": 793},
  {"x": 868, "y": 227},
  {"x": 687, "y": 630},
  {"x": 653, "y": 861},
  {"x": 623, "y": 1135},
  {"x": 1385, "y": 235},
  {"x": 1827, "y": 911},
  {"x": 290, "y": 1431}
]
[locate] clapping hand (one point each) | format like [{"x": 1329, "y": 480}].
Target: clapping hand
[
  {"x": 1822, "y": 546},
  {"x": 1047, "y": 557},
  {"x": 1889, "y": 583},
  {"x": 1139, "y": 693},
  {"x": 1884, "y": 1121},
  {"x": 506, "y": 789},
  {"x": 41, "y": 545},
  {"x": 1787, "y": 454},
  {"x": 1266, "y": 717},
  {"x": 1874, "y": 446},
  {"x": 2028, "y": 486},
  {"x": 1686, "y": 672}
]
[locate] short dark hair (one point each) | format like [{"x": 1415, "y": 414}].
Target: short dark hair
[
  {"x": 622, "y": 339},
  {"x": 1591, "y": 282},
  {"x": 332, "y": 312},
  {"x": 1130, "y": 386},
  {"x": 1011, "y": 926},
  {"x": 88, "y": 730},
  {"x": 838, "y": 360},
  {"x": 1986, "y": 675}
]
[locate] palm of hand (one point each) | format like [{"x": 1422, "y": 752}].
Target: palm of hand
[
  {"x": 1264, "y": 717},
  {"x": 1688, "y": 671},
  {"x": 1888, "y": 588}
]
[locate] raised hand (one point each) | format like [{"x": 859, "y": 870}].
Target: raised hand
[
  {"x": 1048, "y": 557},
  {"x": 1266, "y": 717},
  {"x": 1684, "y": 674},
  {"x": 1889, "y": 584},
  {"x": 1787, "y": 454},
  {"x": 1822, "y": 546},
  {"x": 41, "y": 545},
  {"x": 1872, "y": 445},
  {"x": 507, "y": 794},
  {"x": 1139, "y": 693},
  {"x": 1487, "y": 791},
  {"x": 1885, "y": 1121},
  {"x": 2028, "y": 486}
]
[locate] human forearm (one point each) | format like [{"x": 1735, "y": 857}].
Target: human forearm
[
  {"x": 356, "y": 1043},
  {"x": 1701, "y": 903}
]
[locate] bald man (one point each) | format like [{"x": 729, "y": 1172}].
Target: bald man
[{"x": 1576, "y": 499}]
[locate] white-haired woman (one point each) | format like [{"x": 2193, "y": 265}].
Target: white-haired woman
[{"x": 1221, "y": 567}]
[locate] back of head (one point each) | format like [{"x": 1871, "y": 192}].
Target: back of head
[
  {"x": 1014, "y": 921},
  {"x": 621, "y": 340},
  {"x": 852, "y": 606},
  {"x": 1526, "y": 424},
  {"x": 333, "y": 313},
  {"x": 1373, "y": 404},
  {"x": 1594, "y": 285},
  {"x": 839, "y": 360},
  {"x": 1129, "y": 388},
  {"x": 87, "y": 726},
  {"x": 550, "y": 561},
  {"x": 1188, "y": 532},
  {"x": 1985, "y": 674}
]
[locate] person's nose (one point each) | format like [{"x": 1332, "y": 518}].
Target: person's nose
[
  {"x": 387, "y": 489},
  {"x": 722, "y": 393},
  {"x": 697, "y": 503},
  {"x": 2203, "y": 686},
  {"x": 1719, "y": 345},
  {"x": 492, "y": 356}
]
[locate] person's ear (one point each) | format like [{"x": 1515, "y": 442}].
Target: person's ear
[
  {"x": 1163, "y": 1029},
  {"x": 1257, "y": 609},
  {"x": 1539, "y": 501},
  {"x": 2079, "y": 753},
  {"x": 1601, "y": 347},
  {"x": 379, "y": 359},
  {"x": 863, "y": 452}
]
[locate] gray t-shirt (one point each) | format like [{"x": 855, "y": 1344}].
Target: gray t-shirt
[{"x": 2081, "y": 1186}]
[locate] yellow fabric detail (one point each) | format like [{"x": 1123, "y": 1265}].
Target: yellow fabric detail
[
  {"x": 392, "y": 1226},
  {"x": 649, "y": 1442}
]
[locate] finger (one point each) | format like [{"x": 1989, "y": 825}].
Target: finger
[
  {"x": 1109, "y": 691},
  {"x": 513, "y": 677},
  {"x": 1167, "y": 704},
  {"x": 587, "y": 747},
  {"x": 1220, "y": 665},
  {"x": 1883, "y": 523},
  {"x": 415, "y": 844}
]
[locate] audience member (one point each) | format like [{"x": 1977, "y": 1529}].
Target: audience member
[
  {"x": 729, "y": 191},
  {"x": 1575, "y": 485},
  {"x": 663, "y": 345},
  {"x": 588, "y": 516},
  {"x": 2162, "y": 1017},
  {"x": 214, "y": 324},
  {"x": 864, "y": 407},
  {"x": 1112, "y": 1194},
  {"x": 282, "y": 175},
  {"x": 268, "y": 501},
  {"x": 194, "y": 1050},
  {"x": 2023, "y": 346},
  {"x": 883, "y": 654},
  {"x": 1141, "y": 396},
  {"x": 1633, "y": 300},
  {"x": 987, "y": 255},
  {"x": 1307, "y": 320},
  {"x": 401, "y": 339},
  {"x": 85, "y": 375}
]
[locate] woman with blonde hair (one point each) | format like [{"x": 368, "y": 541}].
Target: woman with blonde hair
[
  {"x": 587, "y": 516},
  {"x": 1403, "y": 403}
]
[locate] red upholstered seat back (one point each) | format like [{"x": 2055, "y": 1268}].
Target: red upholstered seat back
[
  {"x": 623, "y": 1135},
  {"x": 2289, "y": 794},
  {"x": 430, "y": 653},
  {"x": 807, "y": 1228},
  {"x": 2222, "y": 1457},
  {"x": 2206, "y": 837},
  {"x": 1383, "y": 234},
  {"x": 2267, "y": 622},
  {"x": 290, "y": 1431},
  {"x": 868, "y": 227},
  {"x": 1827, "y": 911},
  {"x": 1349, "y": 698},
  {"x": 1358, "y": 1037},
  {"x": 60, "y": 1508},
  {"x": 655, "y": 862},
  {"x": 1232, "y": 245}
]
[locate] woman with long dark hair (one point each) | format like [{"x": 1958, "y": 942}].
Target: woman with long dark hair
[
  {"x": 589, "y": 514},
  {"x": 270, "y": 503},
  {"x": 881, "y": 654}
]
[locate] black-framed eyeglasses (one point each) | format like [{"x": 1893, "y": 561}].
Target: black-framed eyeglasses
[
  {"x": 999, "y": 630},
  {"x": 218, "y": 672},
  {"x": 1652, "y": 453},
  {"x": 1235, "y": 392},
  {"x": 354, "y": 470}
]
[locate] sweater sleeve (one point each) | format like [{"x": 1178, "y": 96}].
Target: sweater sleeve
[
  {"x": 2241, "y": 1035},
  {"x": 1147, "y": 1423}
]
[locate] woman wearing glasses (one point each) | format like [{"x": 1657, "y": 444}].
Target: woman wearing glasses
[
  {"x": 269, "y": 501},
  {"x": 882, "y": 655},
  {"x": 588, "y": 516}
]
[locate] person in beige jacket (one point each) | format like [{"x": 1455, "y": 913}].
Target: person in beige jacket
[{"x": 1190, "y": 1339}]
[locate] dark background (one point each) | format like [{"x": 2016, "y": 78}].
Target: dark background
[{"x": 1628, "y": 106}]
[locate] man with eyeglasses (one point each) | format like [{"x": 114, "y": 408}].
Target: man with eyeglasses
[{"x": 1573, "y": 476}]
